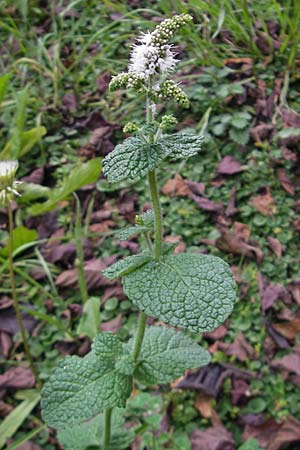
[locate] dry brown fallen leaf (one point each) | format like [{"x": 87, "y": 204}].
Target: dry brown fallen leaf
[
  {"x": 213, "y": 438},
  {"x": 240, "y": 392},
  {"x": 176, "y": 186},
  {"x": 112, "y": 325},
  {"x": 285, "y": 182},
  {"x": 17, "y": 378},
  {"x": 263, "y": 432},
  {"x": 180, "y": 248},
  {"x": 294, "y": 288},
  {"x": 229, "y": 166},
  {"x": 264, "y": 203},
  {"x": 218, "y": 333},
  {"x": 289, "y": 329},
  {"x": 270, "y": 293},
  {"x": 203, "y": 404},
  {"x": 181, "y": 187},
  {"x": 273, "y": 435},
  {"x": 239, "y": 348},
  {"x": 231, "y": 243},
  {"x": 275, "y": 246},
  {"x": 288, "y": 434},
  {"x": 92, "y": 269},
  {"x": 290, "y": 363}
]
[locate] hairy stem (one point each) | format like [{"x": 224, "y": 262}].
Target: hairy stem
[
  {"x": 107, "y": 428},
  {"x": 153, "y": 186},
  {"x": 80, "y": 257},
  {"x": 157, "y": 213},
  {"x": 15, "y": 297},
  {"x": 139, "y": 335}
]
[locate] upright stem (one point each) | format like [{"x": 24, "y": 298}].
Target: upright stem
[
  {"x": 157, "y": 213},
  {"x": 107, "y": 428},
  {"x": 14, "y": 294},
  {"x": 153, "y": 185},
  {"x": 139, "y": 335}
]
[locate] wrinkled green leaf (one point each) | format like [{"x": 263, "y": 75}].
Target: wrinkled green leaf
[
  {"x": 166, "y": 354},
  {"x": 196, "y": 292},
  {"x": 135, "y": 157},
  {"x": 90, "y": 320},
  {"x": 80, "y": 388},
  {"x": 181, "y": 145},
  {"x": 126, "y": 265},
  {"x": 90, "y": 433},
  {"x": 81, "y": 175},
  {"x": 132, "y": 159},
  {"x": 126, "y": 233}
]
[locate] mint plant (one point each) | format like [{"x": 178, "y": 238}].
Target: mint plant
[{"x": 192, "y": 291}]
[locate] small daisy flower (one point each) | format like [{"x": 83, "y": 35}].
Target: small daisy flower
[{"x": 8, "y": 185}]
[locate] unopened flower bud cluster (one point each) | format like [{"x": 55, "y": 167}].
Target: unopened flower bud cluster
[
  {"x": 166, "y": 29},
  {"x": 125, "y": 80},
  {"x": 168, "y": 121},
  {"x": 130, "y": 128},
  {"x": 170, "y": 89}
]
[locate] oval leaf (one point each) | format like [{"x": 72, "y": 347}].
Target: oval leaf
[
  {"x": 79, "y": 388},
  {"x": 132, "y": 159},
  {"x": 166, "y": 354},
  {"x": 196, "y": 292}
]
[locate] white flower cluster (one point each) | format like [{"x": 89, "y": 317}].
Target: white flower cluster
[
  {"x": 152, "y": 55},
  {"x": 148, "y": 59},
  {"x": 8, "y": 185}
]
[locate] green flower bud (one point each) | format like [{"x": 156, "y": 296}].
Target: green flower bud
[
  {"x": 125, "y": 80},
  {"x": 170, "y": 90},
  {"x": 164, "y": 32},
  {"x": 130, "y": 128},
  {"x": 168, "y": 121},
  {"x": 145, "y": 219}
]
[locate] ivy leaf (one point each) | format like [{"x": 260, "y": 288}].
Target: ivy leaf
[
  {"x": 90, "y": 433},
  {"x": 166, "y": 354},
  {"x": 196, "y": 292},
  {"x": 181, "y": 145},
  {"x": 126, "y": 265},
  {"x": 79, "y": 388},
  {"x": 132, "y": 159}
]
